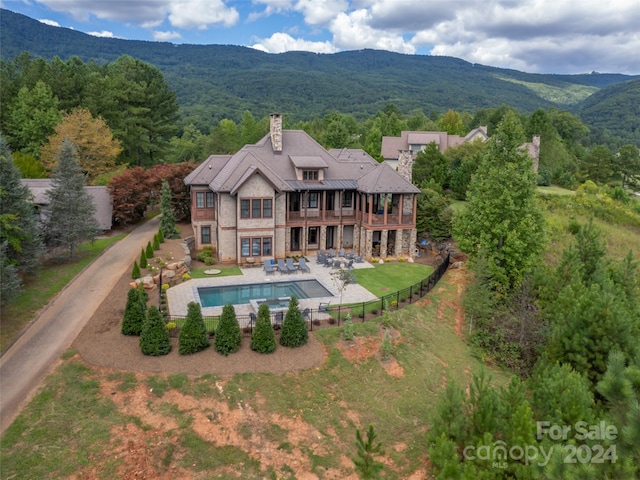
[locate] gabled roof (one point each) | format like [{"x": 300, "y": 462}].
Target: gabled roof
[
  {"x": 391, "y": 146},
  {"x": 207, "y": 170},
  {"x": 384, "y": 179},
  {"x": 99, "y": 196},
  {"x": 343, "y": 168}
]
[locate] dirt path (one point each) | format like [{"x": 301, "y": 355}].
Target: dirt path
[{"x": 33, "y": 356}]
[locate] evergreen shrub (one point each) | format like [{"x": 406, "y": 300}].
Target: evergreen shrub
[
  {"x": 228, "y": 337},
  {"x": 154, "y": 338},
  {"x": 263, "y": 338},
  {"x": 193, "y": 334}
]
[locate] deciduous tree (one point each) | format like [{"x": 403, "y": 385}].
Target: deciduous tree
[
  {"x": 32, "y": 118},
  {"x": 96, "y": 149}
]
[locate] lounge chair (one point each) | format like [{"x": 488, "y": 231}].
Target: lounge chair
[
  {"x": 320, "y": 258},
  {"x": 302, "y": 263},
  {"x": 292, "y": 268},
  {"x": 324, "y": 307},
  {"x": 282, "y": 267},
  {"x": 268, "y": 267}
]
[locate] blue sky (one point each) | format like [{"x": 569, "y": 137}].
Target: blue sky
[{"x": 544, "y": 36}]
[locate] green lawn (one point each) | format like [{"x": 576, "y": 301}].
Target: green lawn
[
  {"x": 387, "y": 278},
  {"x": 555, "y": 190},
  {"x": 38, "y": 290},
  {"x": 224, "y": 271}
]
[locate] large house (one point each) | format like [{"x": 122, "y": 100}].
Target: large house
[
  {"x": 410, "y": 142},
  {"x": 400, "y": 152},
  {"x": 286, "y": 195}
]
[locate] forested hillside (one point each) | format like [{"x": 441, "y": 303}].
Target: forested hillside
[{"x": 213, "y": 82}]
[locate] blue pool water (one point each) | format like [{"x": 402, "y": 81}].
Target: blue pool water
[{"x": 240, "y": 294}]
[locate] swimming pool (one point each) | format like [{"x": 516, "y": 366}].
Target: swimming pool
[{"x": 240, "y": 294}]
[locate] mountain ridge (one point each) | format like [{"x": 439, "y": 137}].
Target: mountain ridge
[{"x": 222, "y": 81}]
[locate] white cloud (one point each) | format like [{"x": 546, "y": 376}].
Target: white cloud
[
  {"x": 282, "y": 42},
  {"x": 51, "y": 23},
  {"x": 320, "y": 13},
  {"x": 165, "y": 36},
  {"x": 201, "y": 14},
  {"x": 103, "y": 34},
  {"x": 138, "y": 11},
  {"x": 352, "y": 32}
]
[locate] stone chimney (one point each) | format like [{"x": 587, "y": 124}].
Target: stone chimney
[
  {"x": 405, "y": 164},
  {"x": 275, "y": 127},
  {"x": 536, "y": 152}
]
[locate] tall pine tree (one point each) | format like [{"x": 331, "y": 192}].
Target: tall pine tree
[
  {"x": 19, "y": 226},
  {"x": 70, "y": 215},
  {"x": 503, "y": 220},
  {"x": 168, "y": 220}
]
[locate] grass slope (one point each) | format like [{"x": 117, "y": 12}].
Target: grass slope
[{"x": 310, "y": 415}]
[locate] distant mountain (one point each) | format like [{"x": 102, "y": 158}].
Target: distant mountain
[
  {"x": 615, "y": 109},
  {"x": 218, "y": 81}
]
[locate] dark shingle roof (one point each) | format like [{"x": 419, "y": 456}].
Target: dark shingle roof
[{"x": 344, "y": 168}]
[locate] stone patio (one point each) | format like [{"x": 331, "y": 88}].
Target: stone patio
[{"x": 180, "y": 295}]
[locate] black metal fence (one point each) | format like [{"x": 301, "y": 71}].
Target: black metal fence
[{"x": 333, "y": 316}]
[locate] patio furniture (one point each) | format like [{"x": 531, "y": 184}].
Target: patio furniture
[
  {"x": 252, "y": 319},
  {"x": 320, "y": 258},
  {"x": 341, "y": 252},
  {"x": 331, "y": 253},
  {"x": 268, "y": 267},
  {"x": 292, "y": 268},
  {"x": 306, "y": 314},
  {"x": 337, "y": 263},
  {"x": 302, "y": 263},
  {"x": 359, "y": 259},
  {"x": 328, "y": 262},
  {"x": 282, "y": 267},
  {"x": 324, "y": 307}
]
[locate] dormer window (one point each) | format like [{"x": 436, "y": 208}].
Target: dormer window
[{"x": 310, "y": 175}]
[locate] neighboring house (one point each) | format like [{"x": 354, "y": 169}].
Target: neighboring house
[
  {"x": 400, "y": 152},
  {"x": 99, "y": 196},
  {"x": 410, "y": 143},
  {"x": 287, "y": 195}
]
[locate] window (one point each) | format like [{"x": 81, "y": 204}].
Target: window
[
  {"x": 313, "y": 200},
  {"x": 347, "y": 199},
  {"x": 256, "y": 208},
  {"x": 244, "y": 247},
  {"x": 200, "y": 199},
  {"x": 313, "y": 236},
  {"x": 255, "y": 247},
  {"x": 244, "y": 208},
  {"x": 310, "y": 175},
  {"x": 205, "y": 235}
]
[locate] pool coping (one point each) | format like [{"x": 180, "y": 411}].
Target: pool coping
[{"x": 180, "y": 295}]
